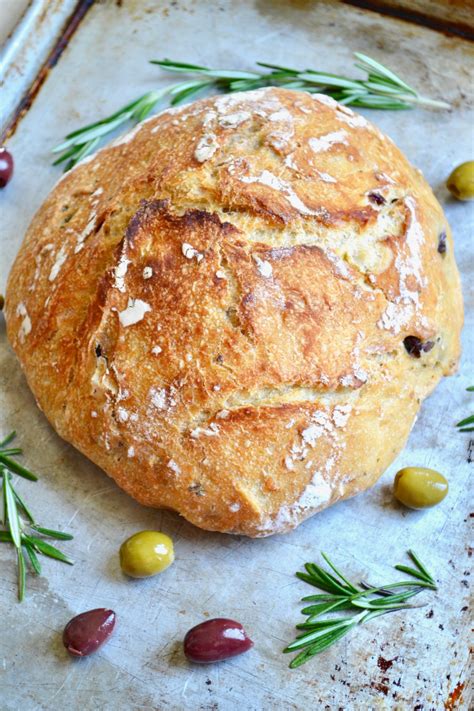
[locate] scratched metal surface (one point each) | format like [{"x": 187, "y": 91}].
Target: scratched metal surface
[
  {"x": 216, "y": 575},
  {"x": 27, "y": 47}
]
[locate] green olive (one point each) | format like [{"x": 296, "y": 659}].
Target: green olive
[
  {"x": 419, "y": 488},
  {"x": 461, "y": 181},
  {"x": 146, "y": 553}
]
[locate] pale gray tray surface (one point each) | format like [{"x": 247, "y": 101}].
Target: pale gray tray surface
[{"x": 142, "y": 667}]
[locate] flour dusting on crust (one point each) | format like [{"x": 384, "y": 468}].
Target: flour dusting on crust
[
  {"x": 134, "y": 312},
  {"x": 214, "y": 308}
]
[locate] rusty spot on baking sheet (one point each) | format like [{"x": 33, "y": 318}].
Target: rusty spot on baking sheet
[
  {"x": 446, "y": 27},
  {"x": 71, "y": 25},
  {"x": 455, "y": 697},
  {"x": 383, "y": 688},
  {"x": 385, "y": 664}
]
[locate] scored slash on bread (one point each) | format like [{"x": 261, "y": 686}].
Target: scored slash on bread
[{"x": 215, "y": 308}]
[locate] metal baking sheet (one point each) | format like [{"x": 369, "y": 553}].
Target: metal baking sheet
[
  {"x": 27, "y": 48},
  {"x": 404, "y": 661}
]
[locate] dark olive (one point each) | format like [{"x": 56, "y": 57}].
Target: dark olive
[
  {"x": 6, "y": 166},
  {"x": 442, "y": 243},
  {"x": 415, "y": 346},
  {"x": 216, "y": 640},
  {"x": 85, "y": 633},
  {"x": 377, "y": 198}
]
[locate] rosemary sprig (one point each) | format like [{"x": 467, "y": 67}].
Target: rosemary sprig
[
  {"x": 380, "y": 89},
  {"x": 18, "y": 524},
  {"x": 464, "y": 425},
  {"x": 324, "y": 625}
]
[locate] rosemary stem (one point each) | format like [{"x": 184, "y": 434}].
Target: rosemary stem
[
  {"x": 406, "y": 583},
  {"x": 18, "y": 519},
  {"x": 381, "y": 89},
  {"x": 324, "y": 625}
]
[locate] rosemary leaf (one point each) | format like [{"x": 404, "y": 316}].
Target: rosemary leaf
[
  {"x": 9, "y": 438},
  {"x": 196, "y": 69},
  {"x": 383, "y": 88},
  {"x": 142, "y": 112},
  {"x": 67, "y": 154},
  {"x": 315, "y": 618},
  {"x": 371, "y": 65},
  {"x": 384, "y": 604},
  {"x": 278, "y": 68},
  {"x": 371, "y": 101},
  {"x": 246, "y": 84},
  {"x": 467, "y": 421},
  {"x": 172, "y": 66},
  {"x": 11, "y": 513},
  {"x": 326, "y": 80},
  {"x": 316, "y": 624},
  {"x": 186, "y": 93},
  {"x": 47, "y": 549},
  {"x": 349, "y": 584},
  {"x": 82, "y": 151},
  {"x": 332, "y": 585},
  {"x": 35, "y": 564},
  {"x": 429, "y": 578},
  {"x": 51, "y": 533},
  {"x": 17, "y": 468},
  {"x": 411, "y": 571},
  {"x": 317, "y": 610},
  {"x": 229, "y": 74},
  {"x": 324, "y": 642},
  {"x": 89, "y": 135},
  {"x": 21, "y": 575},
  {"x": 304, "y": 639}
]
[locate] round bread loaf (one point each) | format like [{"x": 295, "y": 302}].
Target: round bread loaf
[{"x": 237, "y": 309}]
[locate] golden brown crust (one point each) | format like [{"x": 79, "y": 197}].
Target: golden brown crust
[{"x": 214, "y": 309}]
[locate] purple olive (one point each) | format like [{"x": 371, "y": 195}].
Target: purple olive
[
  {"x": 85, "y": 633},
  {"x": 377, "y": 198},
  {"x": 6, "y": 166},
  {"x": 215, "y": 640},
  {"x": 415, "y": 346},
  {"x": 442, "y": 242}
]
